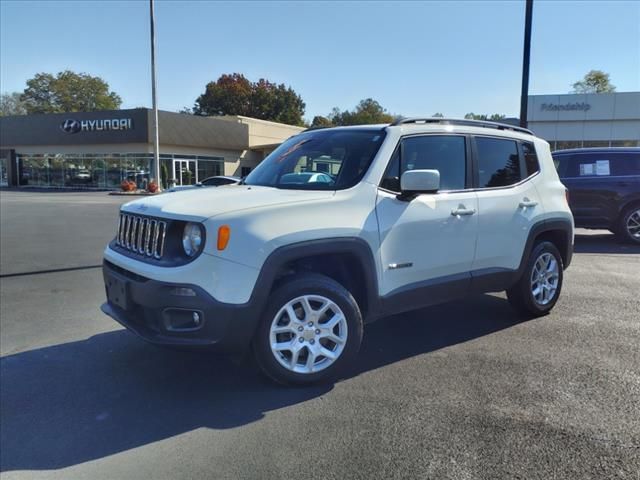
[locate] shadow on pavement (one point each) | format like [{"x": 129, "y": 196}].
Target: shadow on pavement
[
  {"x": 80, "y": 401},
  {"x": 603, "y": 243}
]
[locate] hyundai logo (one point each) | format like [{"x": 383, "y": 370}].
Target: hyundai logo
[{"x": 70, "y": 126}]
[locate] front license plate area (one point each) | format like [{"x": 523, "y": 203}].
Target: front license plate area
[{"x": 117, "y": 291}]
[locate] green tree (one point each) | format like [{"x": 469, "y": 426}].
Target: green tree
[
  {"x": 10, "y": 104},
  {"x": 438, "y": 115},
  {"x": 235, "y": 95},
  {"x": 366, "y": 112},
  {"x": 321, "y": 122},
  {"x": 495, "y": 117},
  {"x": 596, "y": 81},
  {"x": 68, "y": 92}
]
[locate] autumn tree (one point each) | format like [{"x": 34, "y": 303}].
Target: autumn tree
[
  {"x": 596, "y": 81},
  {"x": 236, "y": 95},
  {"x": 68, "y": 92}
]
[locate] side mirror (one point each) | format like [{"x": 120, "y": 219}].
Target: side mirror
[{"x": 414, "y": 182}]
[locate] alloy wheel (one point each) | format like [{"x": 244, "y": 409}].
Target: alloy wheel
[
  {"x": 544, "y": 279},
  {"x": 633, "y": 225},
  {"x": 308, "y": 334}
]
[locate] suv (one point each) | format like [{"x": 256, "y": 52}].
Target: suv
[
  {"x": 415, "y": 213},
  {"x": 604, "y": 188}
]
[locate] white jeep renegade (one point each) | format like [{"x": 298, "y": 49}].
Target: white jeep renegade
[{"x": 339, "y": 227}]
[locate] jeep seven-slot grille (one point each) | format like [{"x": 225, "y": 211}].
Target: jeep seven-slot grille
[{"x": 141, "y": 235}]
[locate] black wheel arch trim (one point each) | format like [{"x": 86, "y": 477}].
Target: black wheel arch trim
[
  {"x": 281, "y": 256},
  {"x": 549, "y": 226}
]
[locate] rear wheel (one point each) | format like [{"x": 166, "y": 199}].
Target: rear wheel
[
  {"x": 628, "y": 228},
  {"x": 310, "y": 332},
  {"x": 537, "y": 291}
]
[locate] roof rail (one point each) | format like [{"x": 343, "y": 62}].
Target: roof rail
[{"x": 455, "y": 121}]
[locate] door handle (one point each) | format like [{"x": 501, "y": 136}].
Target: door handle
[
  {"x": 461, "y": 210},
  {"x": 525, "y": 203}
]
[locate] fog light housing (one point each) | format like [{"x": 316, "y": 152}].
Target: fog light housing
[{"x": 182, "y": 319}]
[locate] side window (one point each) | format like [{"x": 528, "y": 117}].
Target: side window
[
  {"x": 498, "y": 162},
  {"x": 603, "y": 164},
  {"x": 530, "y": 158},
  {"x": 623, "y": 164},
  {"x": 445, "y": 153}
]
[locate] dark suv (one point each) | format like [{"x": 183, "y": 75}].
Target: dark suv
[{"x": 604, "y": 188}]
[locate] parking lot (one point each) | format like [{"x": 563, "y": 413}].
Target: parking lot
[{"x": 460, "y": 391}]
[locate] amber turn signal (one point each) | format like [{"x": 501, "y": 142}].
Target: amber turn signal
[{"x": 224, "y": 232}]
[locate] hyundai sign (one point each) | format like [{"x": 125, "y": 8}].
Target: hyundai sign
[{"x": 75, "y": 126}]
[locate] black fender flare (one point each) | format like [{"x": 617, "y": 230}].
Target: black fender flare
[
  {"x": 355, "y": 246},
  {"x": 544, "y": 226}
]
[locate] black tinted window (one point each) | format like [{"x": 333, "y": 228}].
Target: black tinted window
[
  {"x": 530, "y": 158},
  {"x": 498, "y": 162},
  {"x": 625, "y": 164},
  {"x": 447, "y": 154},
  {"x": 593, "y": 164}
]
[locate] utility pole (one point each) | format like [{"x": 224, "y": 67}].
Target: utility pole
[
  {"x": 524, "y": 95},
  {"x": 156, "y": 139}
]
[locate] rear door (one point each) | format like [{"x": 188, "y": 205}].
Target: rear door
[{"x": 509, "y": 204}]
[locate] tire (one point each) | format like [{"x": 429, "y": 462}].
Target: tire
[
  {"x": 628, "y": 227},
  {"x": 522, "y": 297},
  {"x": 304, "y": 340}
]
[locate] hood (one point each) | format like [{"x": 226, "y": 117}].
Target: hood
[{"x": 198, "y": 204}]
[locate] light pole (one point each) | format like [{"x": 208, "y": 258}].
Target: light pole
[
  {"x": 524, "y": 94},
  {"x": 156, "y": 138}
]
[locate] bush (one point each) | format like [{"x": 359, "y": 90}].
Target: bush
[
  {"x": 128, "y": 186},
  {"x": 152, "y": 187}
]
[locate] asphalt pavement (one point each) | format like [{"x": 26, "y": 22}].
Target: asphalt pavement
[{"x": 457, "y": 391}]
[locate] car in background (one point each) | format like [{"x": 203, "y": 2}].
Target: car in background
[
  {"x": 215, "y": 181},
  {"x": 604, "y": 188},
  {"x": 306, "y": 177}
]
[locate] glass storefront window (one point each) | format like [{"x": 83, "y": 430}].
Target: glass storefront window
[
  {"x": 625, "y": 143},
  {"x": 595, "y": 143},
  {"x": 107, "y": 171}
]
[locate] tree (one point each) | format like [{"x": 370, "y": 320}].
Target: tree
[
  {"x": 68, "y": 92},
  {"x": 438, "y": 115},
  {"x": 495, "y": 117},
  {"x": 596, "y": 81},
  {"x": 366, "y": 112},
  {"x": 235, "y": 95},
  {"x": 10, "y": 104},
  {"x": 321, "y": 122}
]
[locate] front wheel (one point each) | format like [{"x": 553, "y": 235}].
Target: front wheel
[
  {"x": 310, "y": 331},
  {"x": 538, "y": 289}
]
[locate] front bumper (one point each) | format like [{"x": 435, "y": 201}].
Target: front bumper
[{"x": 175, "y": 314}]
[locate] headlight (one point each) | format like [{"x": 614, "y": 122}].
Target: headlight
[{"x": 192, "y": 239}]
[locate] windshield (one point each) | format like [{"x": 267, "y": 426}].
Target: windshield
[{"x": 319, "y": 160}]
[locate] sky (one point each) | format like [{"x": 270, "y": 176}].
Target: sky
[{"x": 415, "y": 58}]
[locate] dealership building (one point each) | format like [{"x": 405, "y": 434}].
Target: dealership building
[
  {"x": 101, "y": 149},
  {"x": 586, "y": 120}
]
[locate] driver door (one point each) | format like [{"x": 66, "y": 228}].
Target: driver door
[{"x": 427, "y": 244}]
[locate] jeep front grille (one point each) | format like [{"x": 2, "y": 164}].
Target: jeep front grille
[{"x": 141, "y": 235}]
